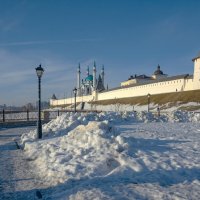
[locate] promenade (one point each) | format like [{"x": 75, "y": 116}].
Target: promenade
[{"x": 17, "y": 181}]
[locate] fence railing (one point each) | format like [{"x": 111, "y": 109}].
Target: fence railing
[
  {"x": 9, "y": 116},
  {"x": 12, "y": 116}
]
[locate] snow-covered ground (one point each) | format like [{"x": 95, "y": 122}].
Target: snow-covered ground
[
  {"x": 17, "y": 182},
  {"x": 139, "y": 108},
  {"x": 110, "y": 155}
]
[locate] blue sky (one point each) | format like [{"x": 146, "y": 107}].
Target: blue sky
[{"x": 127, "y": 36}]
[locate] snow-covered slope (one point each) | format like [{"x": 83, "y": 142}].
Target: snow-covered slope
[{"x": 119, "y": 155}]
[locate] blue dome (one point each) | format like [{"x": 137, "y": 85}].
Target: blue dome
[{"x": 89, "y": 78}]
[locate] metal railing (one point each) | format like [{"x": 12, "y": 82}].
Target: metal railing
[{"x": 15, "y": 116}]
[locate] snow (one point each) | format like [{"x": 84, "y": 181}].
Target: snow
[
  {"x": 118, "y": 155},
  {"x": 137, "y": 107},
  {"x": 17, "y": 179}
]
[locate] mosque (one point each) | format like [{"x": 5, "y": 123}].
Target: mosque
[
  {"x": 92, "y": 89},
  {"x": 90, "y": 83}
]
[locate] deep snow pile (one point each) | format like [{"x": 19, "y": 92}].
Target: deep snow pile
[
  {"x": 85, "y": 151},
  {"x": 89, "y": 152},
  {"x": 67, "y": 122},
  {"x": 137, "y": 107}
]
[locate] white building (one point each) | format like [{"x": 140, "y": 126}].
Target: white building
[
  {"x": 157, "y": 75},
  {"x": 136, "y": 86}
]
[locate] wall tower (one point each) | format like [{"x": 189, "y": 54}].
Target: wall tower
[{"x": 196, "y": 75}]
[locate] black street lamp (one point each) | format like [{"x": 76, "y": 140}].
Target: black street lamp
[
  {"x": 75, "y": 92},
  {"x": 148, "y": 96},
  {"x": 39, "y": 72}
]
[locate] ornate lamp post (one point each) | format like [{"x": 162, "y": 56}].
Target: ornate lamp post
[
  {"x": 39, "y": 72},
  {"x": 75, "y": 92},
  {"x": 148, "y": 96}
]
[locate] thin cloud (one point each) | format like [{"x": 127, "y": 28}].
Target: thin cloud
[
  {"x": 18, "y": 81},
  {"x": 27, "y": 43}
]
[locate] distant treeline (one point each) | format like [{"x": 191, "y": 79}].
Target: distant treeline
[{"x": 28, "y": 106}]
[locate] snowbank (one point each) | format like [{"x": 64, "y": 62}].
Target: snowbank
[
  {"x": 67, "y": 122},
  {"x": 139, "y": 108},
  {"x": 117, "y": 148}
]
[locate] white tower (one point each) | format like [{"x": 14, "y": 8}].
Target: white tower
[
  {"x": 196, "y": 75},
  {"x": 94, "y": 76},
  {"x": 78, "y": 79},
  {"x": 102, "y": 74}
]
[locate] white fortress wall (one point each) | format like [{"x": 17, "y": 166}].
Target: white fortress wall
[
  {"x": 189, "y": 85},
  {"x": 151, "y": 88},
  {"x": 59, "y": 102},
  {"x": 135, "y": 91},
  {"x": 68, "y": 101},
  {"x": 84, "y": 98}
]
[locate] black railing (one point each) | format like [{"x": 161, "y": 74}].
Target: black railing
[
  {"x": 13, "y": 116},
  {"x": 17, "y": 115}
]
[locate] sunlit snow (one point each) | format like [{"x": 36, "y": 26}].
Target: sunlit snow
[{"x": 110, "y": 155}]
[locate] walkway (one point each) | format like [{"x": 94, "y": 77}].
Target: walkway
[{"x": 16, "y": 178}]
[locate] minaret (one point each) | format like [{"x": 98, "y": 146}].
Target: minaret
[
  {"x": 88, "y": 71},
  {"x": 94, "y": 76},
  {"x": 102, "y": 74},
  {"x": 78, "y": 79}
]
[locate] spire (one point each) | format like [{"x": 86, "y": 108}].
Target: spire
[
  {"x": 79, "y": 67},
  {"x": 53, "y": 97},
  {"x": 94, "y": 76},
  {"x": 100, "y": 86},
  {"x": 94, "y": 68},
  {"x": 102, "y": 74},
  {"x": 78, "y": 79},
  {"x": 88, "y": 71}
]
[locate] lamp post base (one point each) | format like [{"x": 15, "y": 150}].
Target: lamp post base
[{"x": 39, "y": 129}]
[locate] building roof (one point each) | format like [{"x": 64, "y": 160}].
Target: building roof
[{"x": 143, "y": 76}]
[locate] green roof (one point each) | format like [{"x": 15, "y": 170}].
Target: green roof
[{"x": 89, "y": 78}]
